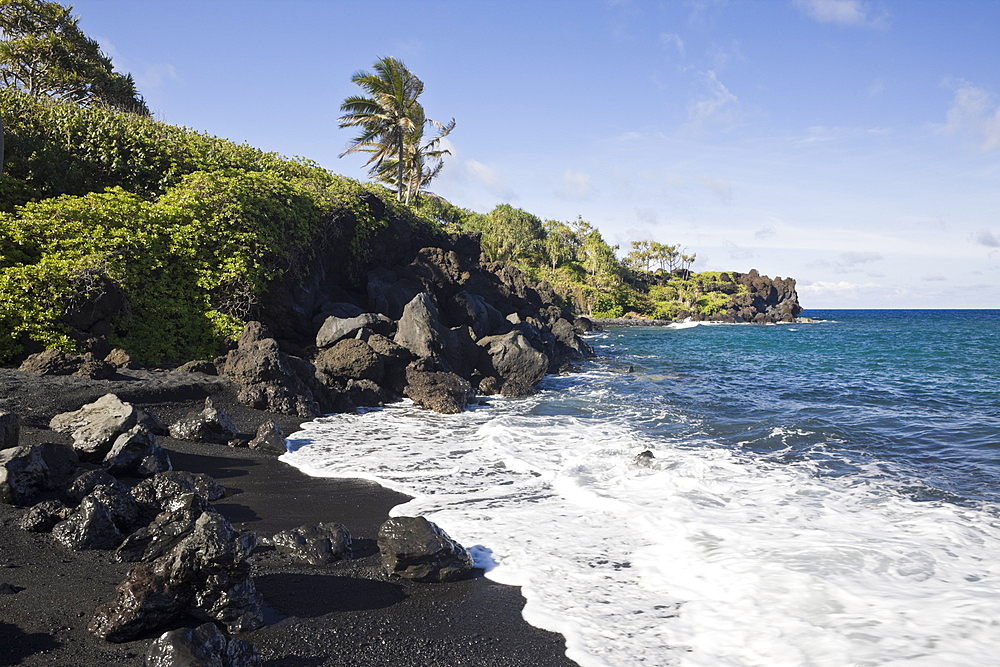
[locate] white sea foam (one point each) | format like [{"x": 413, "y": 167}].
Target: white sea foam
[{"x": 706, "y": 557}]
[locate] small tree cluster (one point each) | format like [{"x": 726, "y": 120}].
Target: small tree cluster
[
  {"x": 44, "y": 53},
  {"x": 392, "y": 124}
]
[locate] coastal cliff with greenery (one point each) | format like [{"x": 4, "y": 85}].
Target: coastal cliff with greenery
[{"x": 168, "y": 240}]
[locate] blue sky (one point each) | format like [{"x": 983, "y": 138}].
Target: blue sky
[{"x": 851, "y": 144}]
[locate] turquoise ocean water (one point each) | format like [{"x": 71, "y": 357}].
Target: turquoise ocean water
[{"x": 822, "y": 493}]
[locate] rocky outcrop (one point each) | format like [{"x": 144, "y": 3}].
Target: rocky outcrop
[
  {"x": 268, "y": 379},
  {"x": 208, "y": 425},
  {"x": 27, "y": 471},
  {"x": 758, "y": 299},
  {"x": 316, "y": 545},
  {"x": 415, "y": 548},
  {"x": 441, "y": 391},
  {"x": 96, "y": 426},
  {"x": 205, "y": 575},
  {"x": 137, "y": 453},
  {"x": 204, "y": 646},
  {"x": 269, "y": 438}
]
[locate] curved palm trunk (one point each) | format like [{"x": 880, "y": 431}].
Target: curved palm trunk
[{"x": 399, "y": 171}]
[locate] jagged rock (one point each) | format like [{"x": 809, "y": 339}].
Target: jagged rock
[
  {"x": 161, "y": 535},
  {"x": 338, "y": 328},
  {"x": 475, "y": 311},
  {"x": 489, "y": 385},
  {"x": 388, "y": 294},
  {"x": 23, "y": 475},
  {"x": 121, "y": 504},
  {"x": 91, "y": 526},
  {"x": 152, "y": 423},
  {"x": 353, "y": 359},
  {"x": 96, "y": 425},
  {"x": 202, "y": 483},
  {"x": 420, "y": 330},
  {"x": 121, "y": 359},
  {"x": 136, "y": 453},
  {"x": 367, "y": 393},
  {"x": 269, "y": 438},
  {"x": 10, "y": 430},
  {"x": 205, "y": 575},
  {"x": 645, "y": 459},
  {"x": 515, "y": 361},
  {"x": 86, "y": 481},
  {"x": 583, "y": 325},
  {"x": 26, "y": 471},
  {"x": 51, "y": 362},
  {"x": 94, "y": 368},
  {"x": 573, "y": 347},
  {"x": 209, "y": 425},
  {"x": 415, "y": 548},
  {"x": 271, "y": 380},
  {"x": 316, "y": 545},
  {"x": 44, "y": 516},
  {"x": 167, "y": 492},
  {"x": 204, "y": 646},
  {"x": 146, "y": 600},
  {"x": 440, "y": 391},
  {"x": 197, "y": 366},
  {"x": 392, "y": 352}
]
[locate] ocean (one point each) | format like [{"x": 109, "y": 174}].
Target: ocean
[{"x": 822, "y": 493}]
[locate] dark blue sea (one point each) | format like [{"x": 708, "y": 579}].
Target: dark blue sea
[{"x": 822, "y": 493}]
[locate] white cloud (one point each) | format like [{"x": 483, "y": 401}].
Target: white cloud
[
  {"x": 720, "y": 187},
  {"x": 937, "y": 277},
  {"x": 736, "y": 252},
  {"x": 488, "y": 177},
  {"x": 854, "y": 258},
  {"x": 765, "y": 233},
  {"x": 975, "y": 114},
  {"x": 146, "y": 75},
  {"x": 575, "y": 186},
  {"x": 840, "y": 289},
  {"x": 717, "y": 107},
  {"x": 985, "y": 237},
  {"x": 672, "y": 40},
  {"x": 842, "y": 12}
]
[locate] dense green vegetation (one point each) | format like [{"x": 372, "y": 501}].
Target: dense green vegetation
[
  {"x": 186, "y": 232},
  {"x": 44, "y": 53},
  {"x": 191, "y": 229},
  {"x": 653, "y": 280}
]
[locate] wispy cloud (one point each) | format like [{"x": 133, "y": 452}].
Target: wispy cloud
[
  {"x": 839, "y": 289},
  {"x": 736, "y": 252},
  {"x": 937, "y": 277},
  {"x": 985, "y": 237},
  {"x": 670, "y": 39},
  {"x": 717, "y": 107},
  {"x": 147, "y": 75},
  {"x": 852, "y": 13},
  {"x": 575, "y": 186},
  {"x": 765, "y": 233},
  {"x": 488, "y": 177},
  {"x": 975, "y": 114},
  {"x": 855, "y": 258},
  {"x": 719, "y": 187}
]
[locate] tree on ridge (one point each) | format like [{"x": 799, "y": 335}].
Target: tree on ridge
[
  {"x": 392, "y": 122},
  {"x": 44, "y": 53}
]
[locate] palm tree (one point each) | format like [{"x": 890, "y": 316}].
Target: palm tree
[
  {"x": 423, "y": 161},
  {"x": 387, "y": 117}
]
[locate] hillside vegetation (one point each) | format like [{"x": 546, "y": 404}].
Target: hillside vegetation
[{"x": 187, "y": 229}]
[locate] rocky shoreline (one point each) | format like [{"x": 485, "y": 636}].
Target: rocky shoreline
[{"x": 346, "y": 612}]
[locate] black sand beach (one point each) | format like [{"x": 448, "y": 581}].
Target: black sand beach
[{"x": 348, "y": 613}]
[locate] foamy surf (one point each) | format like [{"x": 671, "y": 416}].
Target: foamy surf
[{"x": 710, "y": 556}]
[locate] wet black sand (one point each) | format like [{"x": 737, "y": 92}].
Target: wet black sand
[{"x": 347, "y": 613}]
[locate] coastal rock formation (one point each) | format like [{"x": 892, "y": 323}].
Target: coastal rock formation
[
  {"x": 27, "y": 471},
  {"x": 136, "y": 453},
  {"x": 90, "y": 526},
  {"x": 415, "y": 548},
  {"x": 205, "y": 575},
  {"x": 208, "y": 425},
  {"x": 204, "y": 646},
  {"x": 440, "y": 391},
  {"x": 10, "y": 430},
  {"x": 96, "y": 426},
  {"x": 269, "y": 438},
  {"x": 317, "y": 545}
]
